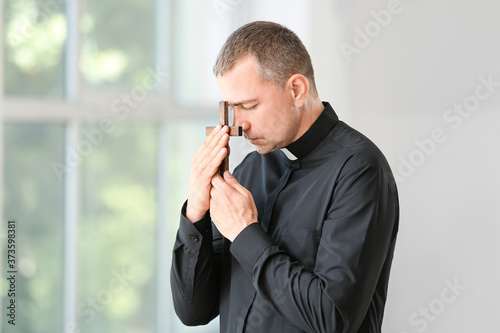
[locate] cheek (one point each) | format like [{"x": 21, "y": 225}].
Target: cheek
[
  {"x": 275, "y": 130},
  {"x": 271, "y": 124}
]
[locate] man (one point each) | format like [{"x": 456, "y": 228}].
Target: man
[{"x": 303, "y": 234}]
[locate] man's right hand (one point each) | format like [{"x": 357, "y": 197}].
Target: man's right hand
[{"x": 204, "y": 165}]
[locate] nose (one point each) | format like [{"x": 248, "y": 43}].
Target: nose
[{"x": 239, "y": 120}]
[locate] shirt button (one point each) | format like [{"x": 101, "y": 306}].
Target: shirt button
[{"x": 195, "y": 238}]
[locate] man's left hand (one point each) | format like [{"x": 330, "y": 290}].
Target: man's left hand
[{"x": 232, "y": 207}]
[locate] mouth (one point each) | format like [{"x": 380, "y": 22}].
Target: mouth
[{"x": 251, "y": 140}]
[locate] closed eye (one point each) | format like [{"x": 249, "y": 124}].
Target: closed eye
[{"x": 247, "y": 108}]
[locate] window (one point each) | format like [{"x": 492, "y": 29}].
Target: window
[
  {"x": 96, "y": 139},
  {"x": 33, "y": 197},
  {"x": 34, "y": 43}
]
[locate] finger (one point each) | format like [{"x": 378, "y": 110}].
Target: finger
[
  {"x": 209, "y": 157},
  {"x": 213, "y": 192},
  {"x": 215, "y": 137},
  {"x": 229, "y": 178},
  {"x": 217, "y": 182},
  {"x": 212, "y": 147},
  {"x": 214, "y": 163}
]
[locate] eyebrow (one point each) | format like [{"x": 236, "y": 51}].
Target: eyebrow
[{"x": 244, "y": 102}]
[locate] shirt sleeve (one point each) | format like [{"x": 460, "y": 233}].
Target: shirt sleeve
[
  {"x": 355, "y": 249},
  {"x": 194, "y": 275}
]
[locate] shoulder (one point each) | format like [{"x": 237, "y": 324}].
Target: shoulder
[
  {"x": 359, "y": 147},
  {"x": 357, "y": 154}
]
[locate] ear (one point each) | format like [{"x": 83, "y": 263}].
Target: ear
[{"x": 299, "y": 88}]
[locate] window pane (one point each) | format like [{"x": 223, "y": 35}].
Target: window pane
[
  {"x": 117, "y": 233},
  {"x": 35, "y": 34},
  {"x": 119, "y": 42},
  {"x": 199, "y": 31},
  {"x": 34, "y": 198}
]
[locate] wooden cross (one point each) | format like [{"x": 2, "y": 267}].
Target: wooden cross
[{"x": 233, "y": 131}]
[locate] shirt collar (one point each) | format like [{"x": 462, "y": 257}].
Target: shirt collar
[{"x": 313, "y": 136}]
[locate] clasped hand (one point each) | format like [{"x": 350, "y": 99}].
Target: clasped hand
[{"x": 231, "y": 206}]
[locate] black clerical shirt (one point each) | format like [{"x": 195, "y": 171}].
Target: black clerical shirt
[{"x": 320, "y": 256}]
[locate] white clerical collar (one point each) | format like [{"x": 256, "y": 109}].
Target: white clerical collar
[{"x": 288, "y": 154}]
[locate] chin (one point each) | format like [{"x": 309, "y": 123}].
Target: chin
[
  {"x": 260, "y": 150},
  {"x": 263, "y": 149}
]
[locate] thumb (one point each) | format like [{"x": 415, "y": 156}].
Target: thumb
[{"x": 229, "y": 178}]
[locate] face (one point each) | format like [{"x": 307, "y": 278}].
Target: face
[{"x": 267, "y": 113}]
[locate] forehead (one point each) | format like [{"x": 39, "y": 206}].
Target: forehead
[{"x": 243, "y": 82}]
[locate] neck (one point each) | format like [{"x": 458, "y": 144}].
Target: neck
[
  {"x": 312, "y": 109},
  {"x": 317, "y": 108}
]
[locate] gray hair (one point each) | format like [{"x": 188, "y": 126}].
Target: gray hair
[{"x": 278, "y": 52}]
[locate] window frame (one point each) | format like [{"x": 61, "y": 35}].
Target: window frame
[{"x": 77, "y": 107}]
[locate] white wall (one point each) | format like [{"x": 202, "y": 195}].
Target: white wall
[{"x": 399, "y": 89}]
